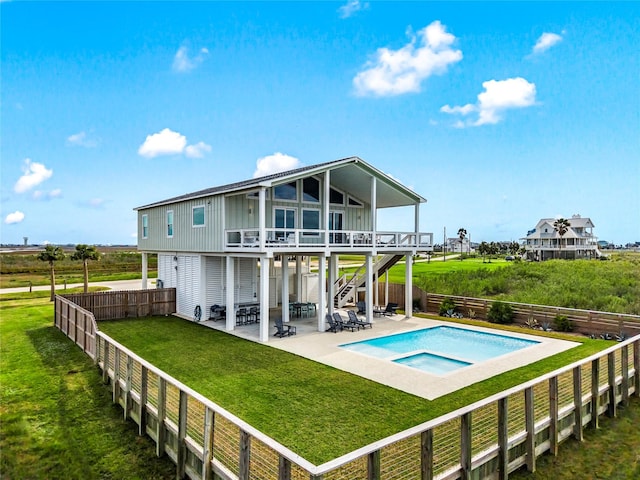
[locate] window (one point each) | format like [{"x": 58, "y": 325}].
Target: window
[
  {"x": 311, "y": 190},
  {"x": 354, "y": 203},
  {"x": 284, "y": 218},
  {"x": 198, "y": 216},
  {"x": 310, "y": 221},
  {"x": 145, "y": 226},
  {"x": 288, "y": 191},
  {"x": 336, "y": 197},
  {"x": 170, "y": 223}
]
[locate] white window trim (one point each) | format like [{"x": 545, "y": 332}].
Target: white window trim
[
  {"x": 173, "y": 224},
  {"x": 344, "y": 196},
  {"x": 275, "y": 199},
  {"x": 204, "y": 217},
  {"x": 145, "y": 217},
  {"x": 311, "y": 234},
  {"x": 349, "y": 197}
]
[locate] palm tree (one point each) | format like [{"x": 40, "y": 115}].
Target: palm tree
[
  {"x": 461, "y": 234},
  {"x": 51, "y": 254},
  {"x": 561, "y": 225},
  {"x": 86, "y": 253}
]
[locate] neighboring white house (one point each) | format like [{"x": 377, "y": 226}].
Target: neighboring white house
[
  {"x": 223, "y": 245},
  {"x": 454, "y": 245},
  {"x": 544, "y": 242}
]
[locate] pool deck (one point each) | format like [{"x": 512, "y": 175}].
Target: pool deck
[{"x": 324, "y": 347}]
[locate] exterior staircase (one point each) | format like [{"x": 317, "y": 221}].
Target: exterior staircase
[{"x": 347, "y": 285}]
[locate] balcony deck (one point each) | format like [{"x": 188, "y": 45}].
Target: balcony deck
[{"x": 310, "y": 241}]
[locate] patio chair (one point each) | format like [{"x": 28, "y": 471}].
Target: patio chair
[
  {"x": 339, "y": 320},
  {"x": 362, "y": 307},
  {"x": 241, "y": 316},
  {"x": 353, "y": 318},
  {"x": 333, "y": 326},
  {"x": 390, "y": 309},
  {"x": 283, "y": 330},
  {"x": 216, "y": 312},
  {"x": 254, "y": 315}
]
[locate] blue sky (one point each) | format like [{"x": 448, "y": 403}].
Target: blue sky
[{"x": 498, "y": 113}]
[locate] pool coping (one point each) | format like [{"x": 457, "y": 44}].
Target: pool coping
[{"x": 325, "y": 348}]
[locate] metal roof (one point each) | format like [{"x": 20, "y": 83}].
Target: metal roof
[{"x": 354, "y": 178}]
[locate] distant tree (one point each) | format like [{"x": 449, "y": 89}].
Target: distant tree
[
  {"x": 461, "y": 234},
  {"x": 494, "y": 249},
  {"x": 51, "y": 254},
  {"x": 86, "y": 253},
  {"x": 514, "y": 248},
  {"x": 561, "y": 225},
  {"x": 483, "y": 249}
]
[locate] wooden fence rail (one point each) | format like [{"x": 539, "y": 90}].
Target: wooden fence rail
[
  {"x": 488, "y": 439},
  {"x": 584, "y": 321},
  {"x": 114, "y": 305}
]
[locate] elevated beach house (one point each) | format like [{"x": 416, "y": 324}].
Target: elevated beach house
[
  {"x": 276, "y": 240},
  {"x": 545, "y": 243}
]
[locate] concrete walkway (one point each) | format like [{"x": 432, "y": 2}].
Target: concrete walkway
[{"x": 113, "y": 285}]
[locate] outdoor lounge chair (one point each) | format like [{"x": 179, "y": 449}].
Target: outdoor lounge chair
[
  {"x": 283, "y": 330},
  {"x": 333, "y": 326},
  {"x": 362, "y": 307},
  {"x": 338, "y": 319},
  {"x": 216, "y": 312},
  {"x": 390, "y": 309},
  {"x": 353, "y": 318}
]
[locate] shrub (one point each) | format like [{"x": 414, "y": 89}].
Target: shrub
[
  {"x": 563, "y": 324},
  {"x": 500, "y": 312},
  {"x": 446, "y": 305}
]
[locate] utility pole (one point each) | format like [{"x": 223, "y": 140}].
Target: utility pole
[{"x": 444, "y": 245}]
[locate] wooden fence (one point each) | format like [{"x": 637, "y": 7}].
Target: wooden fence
[
  {"x": 76, "y": 323},
  {"x": 113, "y": 305},
  {"x": 488, "y": 439},
  {"x": 584, "y": 321}
]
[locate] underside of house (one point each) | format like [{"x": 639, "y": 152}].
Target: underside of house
[{"x": 274, "y": 241}]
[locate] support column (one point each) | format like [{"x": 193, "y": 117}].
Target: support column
[
  {"x": 408, "y": 286},
  {"x": 264, "y": 298},
  {"x": 285, "y": 287},
  {"x": 262, "y": 217},
  {"x": 331, "y": 290},
  {"x": 145, "y": 268},
  {"x": 322, "y": 292},
  {"x": 368, "y": 286},
  {"x": 298, "y": 278},
  {"x": 230, "y": 286}
]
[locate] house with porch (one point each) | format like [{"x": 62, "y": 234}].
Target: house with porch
[
  {"x": 250, "y": 243},
  {"x": 545, "y": 243}
]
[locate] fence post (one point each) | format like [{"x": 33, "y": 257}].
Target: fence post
[
  {"x": 465, "y": 445},
  {"x": 116, "y": 376},
  {"x": 142, "y": 408},
  {"x": 595, "y": 393},
  {"x": 577, "y": 403},
  {"x": 530, "y": 428},
  {"x": 503, "y": 438},
  {"x": 127, "y": 387},
  {"x": 160, "y": 430},
  {"x": 245, "y": 454},
  {"x": 426, "y": 455},
  {"x": 207, "y": 452},
  {"x": 373, "y": 465},
  {"x": 553, "y": 416},
  {"x": 636, "y": 366},
  {"x": 611, "y": 365},
  {"x": 182, "y": 434},
  {"x": 105, "y": 362},
  {"x": 625, "y": 375},
  {"x": 284, "y": 468}
]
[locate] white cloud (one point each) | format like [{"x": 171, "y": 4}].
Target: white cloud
[
  {"x": 498, "y": 97},
  {"x": 198, "y": 150},
  {"x": 182, "y": 63},
  {"x": 165, "y": 142},
  {"x": 352, "y": 7},
  {"x": 81, "y": 139},
  {"x": 40, "y": 195},
  {"x": 278, "y": 162},
  {"x": 545, "y": 42},
  {"x": 96, "y": 202},
  {"x": 15, "y": 217},
  {"x": 34, "y": 174},
  {"x": 394, "y": 72}
]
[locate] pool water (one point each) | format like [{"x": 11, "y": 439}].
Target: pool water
[{"x": 440, "y": 349}]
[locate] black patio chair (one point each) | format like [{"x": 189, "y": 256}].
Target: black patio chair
[
  {"x": 340, "y": 321},
  {"x": 362, "y": 307},
  {"x": 241, "y": 316},
  {"x": 333, "y": 326},
  {"x": 353, "y": 318},
  {"x": 283, "y": 330}
]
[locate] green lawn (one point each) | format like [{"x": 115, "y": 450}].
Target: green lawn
[
  {"x": 56, "y": 416},
  {"x": 315, "y": 410}
]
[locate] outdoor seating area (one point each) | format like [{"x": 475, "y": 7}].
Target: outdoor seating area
[
  {"x": 389, "y": 310},
  {"x": 283, "y": 330},
  {"x": 302, "y": 309},
  {"x": 337, "y": 323},
  {"x": 247, "y": 315}
]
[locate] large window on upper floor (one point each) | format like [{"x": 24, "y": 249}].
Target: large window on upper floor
[
  {"x": 310, "y": 221},
  {"x": 311, "y": 190},
  {"x": 287, "y": 191},
  {"x": 198, "y": 216},
  {"x": 336, "y": 197},
  {"x": 170, "y": 223},
  {"x": 145, "y": 226}
]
